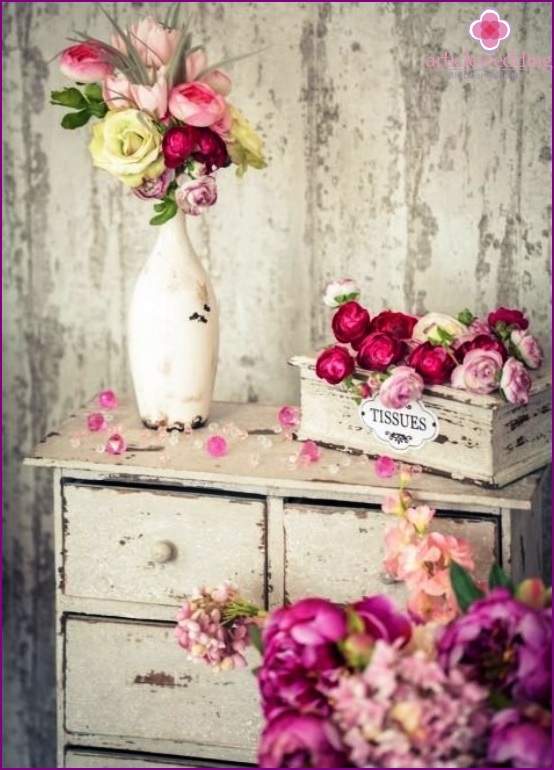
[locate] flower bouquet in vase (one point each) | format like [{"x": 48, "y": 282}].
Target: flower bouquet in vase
[{"x": 164, "y": 126}]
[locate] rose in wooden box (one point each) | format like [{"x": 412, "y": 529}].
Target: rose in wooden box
[{"x": 453, "y": 395}]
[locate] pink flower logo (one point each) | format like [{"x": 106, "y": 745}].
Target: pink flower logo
[{"x": 489, "y": 29}]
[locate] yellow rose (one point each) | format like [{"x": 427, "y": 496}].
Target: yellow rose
[
  {"x": 246, "y": 149},
  {"x": 128, "y": 145}
]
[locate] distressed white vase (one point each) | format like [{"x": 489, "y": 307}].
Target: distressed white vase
[{"x": 173, "y": 333}]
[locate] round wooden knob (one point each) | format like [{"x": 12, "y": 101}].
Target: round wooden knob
[{"x": 163, "y": 551}]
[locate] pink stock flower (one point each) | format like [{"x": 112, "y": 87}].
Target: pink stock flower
[
  {"x": 153, "y": 42},
  {"x": 116, "y": 92},
  {"x": 420, "y": 516},
  {"x": 217, "y": 80},
  {"x": 96, "y": 422},
  {"x": 527, "y": 348},
  {"x": 401, "y": 388},
  {"x": 515, "y": 382},
  {"x": 196, "y": 104},
  {"x": 85, "y": 63},
  {"x": 196, "y": 196},
  {"x": 115, "y": 445},
  {"x": 480, "y": 371},
  {"x": 400, "y": 547},
  {"x": 107, "y": 399},
  {"x": 397, "y": 502},
  {"x": 152, "y": 99}
]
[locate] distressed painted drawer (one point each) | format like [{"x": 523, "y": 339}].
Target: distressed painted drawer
[
  {"x": 154, "y": 546},
  {"x": 81, "y": 758},
  {"x": 131, "y": 679},
  {"x": 336, "y": 552}
]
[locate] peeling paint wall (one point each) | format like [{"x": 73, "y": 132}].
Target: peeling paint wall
[{"x": 434, "y": 194}]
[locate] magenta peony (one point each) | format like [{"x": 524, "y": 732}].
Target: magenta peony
[
  {"x": 379, "y": 350},
  {"x": 398, "y": 324},
  {"x": 301, "y": 740},
  {"x": 334, "y": 365},
  {"x": 350, "y": 322},
  {"x": 433, "y": 363}
]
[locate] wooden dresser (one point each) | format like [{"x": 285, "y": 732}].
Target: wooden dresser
[{"x": 137, "y": 531}]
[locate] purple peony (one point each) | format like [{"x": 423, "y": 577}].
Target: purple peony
[
  {"x": 301, "y": 657},
  {"x": 297, "y": 740},
  {"x": 521, "y": 738},
  {"x": 503, "y": 644},
  {"x": 381, "y": 618}
]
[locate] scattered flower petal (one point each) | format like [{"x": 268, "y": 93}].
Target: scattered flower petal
[
  {"x": 96, "y": 422},
  {"x": 289, "y": 417},
  {"x": 333, "y": 469},
  {"x": 385, "y": 467},
  {"x": 217, "y": 446},
  {"x": 310, "y": 452},
  {"x": 107, "y": 399},
  {"x": 115, "y": 445}
]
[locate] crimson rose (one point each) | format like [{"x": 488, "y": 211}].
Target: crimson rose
[
  {"x": 508, "y": 316},
  {"x": 482, "y": 342},
  {"x": 178, "y": 143},
  {"x": 379, "y": 350},
  {"x": 350, "y": 322},
  {"x": 397, "y": 324},
  {"x": 334, "y": 365},
  {"x": 432, "y": 362},
  {"x": 212, "y": 150}
]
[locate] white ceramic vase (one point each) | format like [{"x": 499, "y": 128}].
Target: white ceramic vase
[{"x": 173, "y": 333}]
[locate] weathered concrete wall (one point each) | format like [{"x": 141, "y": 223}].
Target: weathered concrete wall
[{"x": 433, "y": 193}]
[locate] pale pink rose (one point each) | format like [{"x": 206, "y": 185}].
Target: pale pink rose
[
  {"x": 420, "y": 517},
  {"x": 154, "y": 188},
  {"x": 338, "y": 292},
  {"x": 84, "y": 63},
  {"x": 153, "y": 42},
  {"x": 515, "y": 382},
  {"x": 152, "y": 99},
  {"x": 527, "y": 348},
  {"x": 218, "y": 81},
  {"x": 196, "y": 104},
  {"x": 479, "y": 372},
  {"x": 197, "y": 195},
  {"x": 116, "y": 92},
  {"x": 401, "y": 388}
]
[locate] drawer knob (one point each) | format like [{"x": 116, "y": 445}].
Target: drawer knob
[{"x": 163, "y": 551}]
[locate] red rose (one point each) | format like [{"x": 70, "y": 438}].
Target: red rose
[
  {"x": 334, "y": 365},
  {"x": 397, "y": 324},
  {"x": 508, "y": 316},
  {"x": 482, "y": 342},
  {"x": 350, "y": 322},
  {"x": 432, "y": 362},
  {"x": 178, "y": 143},
  {"x": 211, "y": 150},
  {"x": 379, "y": 350}
]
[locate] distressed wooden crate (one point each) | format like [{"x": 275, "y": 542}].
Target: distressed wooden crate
[{"x": 481, "y": 438}]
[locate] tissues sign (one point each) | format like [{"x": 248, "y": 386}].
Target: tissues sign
[{"x": 411, "y": 427}]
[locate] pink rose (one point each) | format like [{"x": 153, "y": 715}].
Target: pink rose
[
  {"x": 350, "y": 322},
  {"x": 218, "y": 81},
  {"x": 85, "y": 63},
  {"x": 379, "y": 350},
  {"x": 334, "y": 365},
  {"x": 197, "y": 195},
  {"x": 527, "y": 348},
  {"x": 515, "y": 382},
  {"x": 177, "y": 144},
  {"x": 479, "y": 372},
  {"x": 196, "y": 104},
  {"x": 153, "y": 42},
  {"x": 152, "y": 99},
  {"x": 401, "y": 388},
  {"x": 116, "y": 92}
]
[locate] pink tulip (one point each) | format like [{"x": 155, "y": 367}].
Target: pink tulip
[
  {"x": 84, "y": 63},
  {"x": 153, "y": 42},
  {"x": 217, "y": 80},
  {"x": 152, "y": 99},
  {"x": 116, "y": 92}
]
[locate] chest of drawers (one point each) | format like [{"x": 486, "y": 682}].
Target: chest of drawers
[{"x": 135, "y": 532}]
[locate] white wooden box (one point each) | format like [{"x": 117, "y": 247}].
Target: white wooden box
[{"x": 481, "y": 438}]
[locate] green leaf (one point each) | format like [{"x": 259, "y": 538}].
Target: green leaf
[
  {"x": 168, "y": 213},
  {"x": 93, "y": 92},
  {"x": 76, "y": 119},
  {"x": 464, "y": 587},
  {"x": 98, "y": 109},
  {"x": 466, "y": 317},
  {"x": 498, "y": 578},
  {"x": 256, "y": 637},
  {"x": 69, "y": 97}
]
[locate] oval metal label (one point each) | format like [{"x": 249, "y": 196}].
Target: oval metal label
[{"x": 411, "y": 427}]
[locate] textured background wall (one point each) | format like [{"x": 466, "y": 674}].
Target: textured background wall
[{"x": 433, "y": 193}]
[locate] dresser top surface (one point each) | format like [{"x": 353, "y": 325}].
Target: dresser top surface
[{"x": 260, "y": 459}]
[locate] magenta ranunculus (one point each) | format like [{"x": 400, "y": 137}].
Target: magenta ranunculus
[
  {"x": 211, "y": 150},
  {"x": 433, "y": 362},
  {"x": 379, "y": 350},
  {"x": 401, "y": 388},
  {"x": 178, "y": 144},
  {"x": 482, "y": 342},
  {"x": 515, "y": 382},
  {"x": 350, "y": 322},
  {"x": 520, "y": 739},
  {"x": 334, "y": 365},
  {"x": 85, "y": 63},
  {"x": 507, "y": 317},
  {"x": 480, "y": 371},
  {"x": 381, "y": 618},
  {"x": 502, "y": 644},
  {"x": 196, "y": 196},
  {"x": 301, "y": 656},
  {"x": 527, "y": 348},
  {"x": 154, "y": 188},
  {"x": 398, "y": 324},
  {"x": 196, "y": 104},
  {"x": 298, "y": 740}
]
